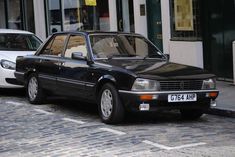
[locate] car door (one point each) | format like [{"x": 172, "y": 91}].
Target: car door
[
  {"x": 50, "y": 60},
  {"x": 73, "y": 72}
]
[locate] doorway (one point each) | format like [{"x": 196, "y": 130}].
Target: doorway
[
  {"x": 125, "y": 16},
  {"x": 219, "y": 33},
  {"x": 155, "y": 22}
]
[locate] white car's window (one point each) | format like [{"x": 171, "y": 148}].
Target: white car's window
[{"x": 19, "y": 42}]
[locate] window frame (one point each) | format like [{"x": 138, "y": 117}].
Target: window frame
[
  {"x": 51, "y": 40},
  {"x": 196, "y": 34},
  {"x": 67, "y": 42}
]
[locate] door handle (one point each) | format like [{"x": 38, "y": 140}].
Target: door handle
[
  {"x": 159, "y": 22},
  {"x": 120, "y": 24}
]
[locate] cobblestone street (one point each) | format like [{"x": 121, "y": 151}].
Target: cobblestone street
[{"x": 69, "y": 128}]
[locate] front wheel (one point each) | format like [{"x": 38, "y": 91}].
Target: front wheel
[
  {"x": 34, "y": 91},
  {"x": 110, "y": 107},
  {"x": 191, "y": 114}
]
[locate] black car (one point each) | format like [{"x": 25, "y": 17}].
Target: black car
[{"x": 118, "y": 71}]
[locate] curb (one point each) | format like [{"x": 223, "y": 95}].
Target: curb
[{"x": 221, "y": 112}]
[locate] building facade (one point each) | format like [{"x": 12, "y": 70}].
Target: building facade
[
  {"x": 202, "y": 34},
  {"x": 193, "y": 32},
  {"x": 17, "y": 14}
]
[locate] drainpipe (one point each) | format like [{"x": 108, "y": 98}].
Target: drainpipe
[{"x": 234, "y": 62}]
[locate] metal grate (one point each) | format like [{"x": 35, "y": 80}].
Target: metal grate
[{"x": 181, "y": 85}]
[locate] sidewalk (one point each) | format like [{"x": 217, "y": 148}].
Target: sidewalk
[{"x": 225, "y": 101}]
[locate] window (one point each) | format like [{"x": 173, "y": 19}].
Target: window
[
  {"x": 14, "y": 14},
  {"x": 55, "y": 46},
  {"x": 46, "y": 49},
  {"x": 2, "y": 15},
  {"x": 76, "y": 43},
  {"x": 19, "y": 42},
  {"x": 72, "y": 15},
  {"x": 185, "y": 20},
  {"x": 105, "y": 46},
  {"x": 28, "y": 13},
  {"x": 58, "y": 45},
  {"x": 54, "y": 16}
]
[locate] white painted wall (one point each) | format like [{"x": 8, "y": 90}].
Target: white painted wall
[
  {"x": 140, "y": 21},
  {"x": 40, "y": 21},
  {"x": 113, "y": 15},
  {"x": 166, "y": 27},
  {"x": 183, "y": 52},
  {"x": 188, "y": 53}
]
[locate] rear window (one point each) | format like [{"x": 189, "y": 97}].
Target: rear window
[{"x": 19, "y": 42}]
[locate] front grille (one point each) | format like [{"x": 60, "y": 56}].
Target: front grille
[{"x": 181, "y": 85}]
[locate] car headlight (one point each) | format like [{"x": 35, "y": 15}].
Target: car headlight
[
  {"x": 209, "y": 84},
  {"x": 145, "y": 85},
  {"x": 8, "y": 64}
]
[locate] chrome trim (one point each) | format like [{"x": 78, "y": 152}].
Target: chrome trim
[
  {"x": 19, "y": 73},
  {"x": 71, "y": 81},
  {"x": 47, "y": 77},
  {"x": 83, "y": 83},
  {"x": 88, "y": 84},
  {"x": 168, "y": 92}
]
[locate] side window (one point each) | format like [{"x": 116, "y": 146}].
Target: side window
[
  {"x": 55, "y": 46},
  {"x": 46, "y": 49},
  {"x": 58, "y": 45},
  {"x": 77, "y": 43}
]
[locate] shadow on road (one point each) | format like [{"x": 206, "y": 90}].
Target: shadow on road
[
  {"x": 72, "y": 107},
  {"x": 137, "y": 118},
  {"x": 20, "y": 92}
]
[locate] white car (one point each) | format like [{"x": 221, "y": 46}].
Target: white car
[{"x": 14, "y": 43}]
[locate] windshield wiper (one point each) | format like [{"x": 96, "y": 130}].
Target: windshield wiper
[{"x": 154, "y": 56}]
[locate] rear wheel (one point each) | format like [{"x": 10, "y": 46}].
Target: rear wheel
[
  {"x": 110, "y": 107},
  {"x": 191, "y": 114},
  {"x": 34, "y": 91}
]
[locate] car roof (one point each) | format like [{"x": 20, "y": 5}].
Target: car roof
[{"x": 13, "y": 31}]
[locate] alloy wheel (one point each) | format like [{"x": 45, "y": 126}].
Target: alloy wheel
[
  {"x": 106, "y": 103},
  {"x": 33, "y": 88}
]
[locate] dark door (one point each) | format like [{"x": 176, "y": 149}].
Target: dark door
[
  {"x": 49, "y": 62},
  {"x": 155, "y": 22},
  {"x": 125, "y": 16},
  {"x": 219, "y": 33},
  {"x": 73, "y": 73}
]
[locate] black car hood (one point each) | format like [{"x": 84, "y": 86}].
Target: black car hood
[{"x": 158, "y": 69}]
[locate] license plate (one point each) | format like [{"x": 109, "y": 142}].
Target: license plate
[{"x": 182, "y": 97}]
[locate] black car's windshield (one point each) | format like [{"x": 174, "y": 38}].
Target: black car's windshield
[
  {"x": 109, "y": 46},
  {"x": 19, "y": 42}
]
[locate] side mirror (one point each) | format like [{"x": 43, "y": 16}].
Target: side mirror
[
  {"x": 78, "y": 56},
  {"x": 167, "y": 56}
]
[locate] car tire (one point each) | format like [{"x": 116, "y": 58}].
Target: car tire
[
  {"x": 191, "y": 114},
  {"x": 34, "y": 91},
  {"x": 110, "y": 106}
]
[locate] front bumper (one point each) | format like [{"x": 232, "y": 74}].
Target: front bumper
[
  {"x": 8, "y": 80},
  {"x": 133, "y": 101}
]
